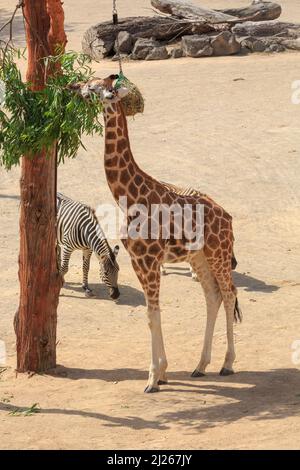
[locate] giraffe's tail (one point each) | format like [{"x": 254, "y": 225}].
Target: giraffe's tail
[
  {"x": 238, "y": 316},
  {"x": 234, "y": 262}
]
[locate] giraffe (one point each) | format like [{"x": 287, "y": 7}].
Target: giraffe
[
  {"x": 190, "y": 191},
  {"x": 211, "y": 262}
]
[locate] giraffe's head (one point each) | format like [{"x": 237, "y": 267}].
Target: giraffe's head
[{"x": 104, "y": 88}]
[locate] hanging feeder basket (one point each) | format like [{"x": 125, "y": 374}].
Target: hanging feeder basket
[{"x": 133, "y": 103}]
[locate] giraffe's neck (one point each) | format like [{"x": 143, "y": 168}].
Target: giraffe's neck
[{"x": 120, "y": 166}]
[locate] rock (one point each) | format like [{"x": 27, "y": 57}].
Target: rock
[
  {"x": 158, "y": 53},
  {"x": 196, "y": 46},
  {"x": 142, "y": 48},
  {"x": 125, "y": 42},
  {"x": 244, "y": 50},
  {"x": 253, "y": 44},
  {"x": 176, "y": 53},
  {"x": 275, "y": 48},
  {"x": 98, "y": 48},
  {"x": 292, "y": 44},
  {"x": 225, "y": 43},
  {"x": 115, "y": 58}
]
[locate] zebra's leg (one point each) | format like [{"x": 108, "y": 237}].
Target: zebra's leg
[
  {"x": 66, "y": 255},
  {"x": 86, "y": 258},
  {"x": 58, "y": 257}
]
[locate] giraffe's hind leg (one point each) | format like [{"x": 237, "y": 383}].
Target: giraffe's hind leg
[
  {"x": 213, "y": 300},
  {"x": 229, "y": 296}
]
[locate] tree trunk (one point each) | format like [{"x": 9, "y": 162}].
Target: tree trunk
[{"x": 36, "y": 318}]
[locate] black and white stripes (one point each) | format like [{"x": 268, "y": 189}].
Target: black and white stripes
[{"x": 79, "y": 229}]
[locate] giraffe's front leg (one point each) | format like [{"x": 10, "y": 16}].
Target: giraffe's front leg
[
  {"x": 150, "y": 281},
  {"x": 158, "y": 366}
]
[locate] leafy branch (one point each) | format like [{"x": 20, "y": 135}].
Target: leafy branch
[{"x": 33, "y": 121}]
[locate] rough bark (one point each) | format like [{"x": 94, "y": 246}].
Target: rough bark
[
  {"x": 99, "y": 40},
  {"x": 187, "y": 9},
  {"x": 266, "y": 28},
  {"x": 262, "y": 11},
  {"x": 36, "y": 318}
]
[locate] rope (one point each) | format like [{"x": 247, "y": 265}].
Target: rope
[{"x": 116, "y": 22}]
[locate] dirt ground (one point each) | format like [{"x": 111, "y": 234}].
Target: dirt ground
[{"x": 239, "y": 141}]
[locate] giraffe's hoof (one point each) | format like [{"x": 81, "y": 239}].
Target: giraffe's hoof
[
  {"x": 150, "y": 389},
  {"x": 224, "y": 372},
  {"x": 197, "y": 373},
  {"x": 162, "y": 382}
]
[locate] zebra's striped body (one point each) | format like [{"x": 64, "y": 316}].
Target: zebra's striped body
[
  {"x": 189, "y": 191},
  {"x": 79, "y": 229}
]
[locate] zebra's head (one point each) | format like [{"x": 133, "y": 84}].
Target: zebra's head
[
  {"x": 109, "y": 272},
  {"x": 103, "y": 88}
]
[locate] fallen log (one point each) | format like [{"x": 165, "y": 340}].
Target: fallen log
[
  {"x": 188, "y": 10},
  {"x": 98, "y": 41},
  {"x": 261, "y": 11},
  {"x": 266, "y": 28}
]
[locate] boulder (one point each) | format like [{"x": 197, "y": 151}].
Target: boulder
[
  {"x": 225, "y": 43},
  {"x": 275, "y": 48},
  {"x": 115, "y": 58},
  {"x": 143, "y": 47},
  {"x": 125, "y": 42},
  {"x": 158, "y": 53},
  {"x": 196, "y": 46},
  {"x": 176, "y": 53},
  {"x": 253, "y": 44}
]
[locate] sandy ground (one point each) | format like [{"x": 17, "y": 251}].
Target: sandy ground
[{"x": 238, "y": 141}]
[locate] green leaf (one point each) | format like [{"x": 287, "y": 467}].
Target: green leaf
[{"x": 32, "y": 121}]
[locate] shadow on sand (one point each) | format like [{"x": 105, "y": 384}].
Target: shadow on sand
[
  {"x": 257, "y": 395},
  {"x": 251, "y": 284},
  {"x": 8, "y": 196},
  {"x": 128, "y": 295}
]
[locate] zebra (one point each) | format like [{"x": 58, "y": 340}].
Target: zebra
[
  {"x": 189, "y": 191},
  {"x": 78, "y": 229}
]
